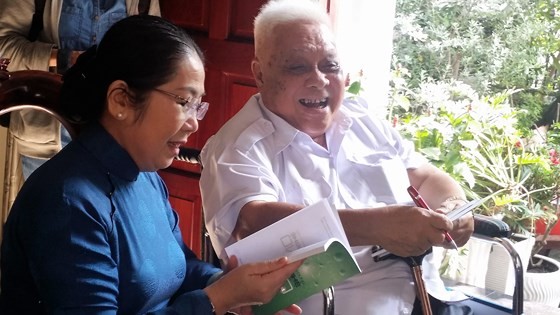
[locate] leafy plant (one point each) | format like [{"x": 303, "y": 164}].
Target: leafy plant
[
  {"x": 469, "y": 80},
  {"x": 491, "y": 45},
  {"x": 479, "y": 141}
]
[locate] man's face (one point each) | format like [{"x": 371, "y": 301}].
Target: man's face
[{"x": 299, "y": 76}]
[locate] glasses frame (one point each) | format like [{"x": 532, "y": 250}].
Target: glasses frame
[{"x": 200, "y": 108}]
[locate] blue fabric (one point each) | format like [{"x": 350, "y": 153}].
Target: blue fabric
[
  {"x": 83, "y": 23},
  {"x": 90, "y": 234}
]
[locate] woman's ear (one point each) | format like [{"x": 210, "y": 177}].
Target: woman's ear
[
  {"x": 257, "y": 73},
  {"x": 118, "y": 100}
]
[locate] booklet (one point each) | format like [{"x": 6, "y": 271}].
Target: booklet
[
  {"x": 464, "y": 209},
  {"x": 315, "y": 234}
]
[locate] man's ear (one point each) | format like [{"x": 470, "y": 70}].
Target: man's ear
[
  {"x": 118, "y": 100},
  {"x": 257, "y": 73}
]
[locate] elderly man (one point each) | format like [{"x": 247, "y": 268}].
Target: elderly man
[{"x": 299, "y": 141}]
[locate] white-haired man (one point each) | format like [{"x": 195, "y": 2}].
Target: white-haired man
[{"x": 300, "y": 140}]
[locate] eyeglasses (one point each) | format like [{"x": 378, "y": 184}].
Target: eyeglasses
[{"x": 189, "y": 106}]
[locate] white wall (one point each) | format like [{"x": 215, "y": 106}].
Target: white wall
[{"x": 364, "y": 30}]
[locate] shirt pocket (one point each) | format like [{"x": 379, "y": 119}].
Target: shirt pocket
[
  {"x": 304, "y": 184},
  {"x": 382, "y": 176},
  {"x": 70, "y": 27}
]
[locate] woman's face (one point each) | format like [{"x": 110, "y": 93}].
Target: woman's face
[
  {"x": 154, "y": 139},
  {"x": 299, "y": 76}
]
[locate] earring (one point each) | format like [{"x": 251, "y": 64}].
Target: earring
[{"x": 119, "y": 115}]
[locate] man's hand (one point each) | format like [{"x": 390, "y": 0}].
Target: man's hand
[
  {"x": 410, "y": 231},
  {"x": 462, "y": 227}
]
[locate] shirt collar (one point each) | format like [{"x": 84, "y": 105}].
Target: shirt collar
[
  {"x": 286, "y": 133},
  {"x": 108, "y": 152}
]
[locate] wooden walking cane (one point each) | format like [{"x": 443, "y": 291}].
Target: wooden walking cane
[
  {"x": 415, "y": 264},
  {"x": 421, "y": 292}
]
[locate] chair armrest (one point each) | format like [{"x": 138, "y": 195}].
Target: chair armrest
[
  {"x": 490, "y": 227},
  {"x": 486, "y": 227}
]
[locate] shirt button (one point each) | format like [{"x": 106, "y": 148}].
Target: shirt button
[{"x": 96, "y": 17}]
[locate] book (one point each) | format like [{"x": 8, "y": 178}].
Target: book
[
  {"x": 464, "y": 209},
  {"x": 313, "y": 233}
]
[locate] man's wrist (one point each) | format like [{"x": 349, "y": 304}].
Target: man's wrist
[
  {"x": 453, "y": 198},
  {"x": 453, "y": 202}
]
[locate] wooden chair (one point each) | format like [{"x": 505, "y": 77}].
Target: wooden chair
[{"x": 34, "y": 89}]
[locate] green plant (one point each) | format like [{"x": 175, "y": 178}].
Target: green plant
[
  {"x": 479, "y": 141},
  {"x": 491, "y": 45}
]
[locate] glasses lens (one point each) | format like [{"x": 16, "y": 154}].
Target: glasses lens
[
  {"x": 202, "y": 108},
  {"x": 198, "y": 110}
]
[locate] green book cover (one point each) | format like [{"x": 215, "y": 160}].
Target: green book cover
[{"x": 326, "y": 264}]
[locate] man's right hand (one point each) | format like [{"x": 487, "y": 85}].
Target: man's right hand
[
  {"x": 402, "y": 230},
  {"x": 411, "y": 231}
]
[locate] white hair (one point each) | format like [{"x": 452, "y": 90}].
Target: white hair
[{"x": 281, "y": 12}]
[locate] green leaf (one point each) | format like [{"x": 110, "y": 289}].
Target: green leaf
[{"x": 355, "y": 88}]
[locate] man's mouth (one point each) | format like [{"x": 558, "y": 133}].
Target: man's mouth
[{"x": 315, "y": 103}]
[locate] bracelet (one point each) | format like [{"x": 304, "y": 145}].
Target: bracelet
[{"x": 452, "y": 198}]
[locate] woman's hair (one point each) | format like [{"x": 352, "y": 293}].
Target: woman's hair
[
  {"x": 280, "y": 12},
  {"x": 141, "y": 50}
]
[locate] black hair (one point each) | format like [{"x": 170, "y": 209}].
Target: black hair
[{"x": 141, "y": 50}]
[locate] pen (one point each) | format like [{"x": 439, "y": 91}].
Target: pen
[{"x": 419, "y": 201}]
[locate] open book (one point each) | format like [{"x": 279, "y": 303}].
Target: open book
[{"x": 315, "y": 234}]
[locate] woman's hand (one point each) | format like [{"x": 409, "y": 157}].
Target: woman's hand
[{"x": 250, "y": 284}]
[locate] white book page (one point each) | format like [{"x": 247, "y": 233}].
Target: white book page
[
  {"x": 310, "y": 250},
  {"x": 464, "y": 209},
  {"x": 310, "y": 225}
]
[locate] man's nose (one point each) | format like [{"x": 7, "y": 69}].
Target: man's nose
[{"x": 317, "y": 79}]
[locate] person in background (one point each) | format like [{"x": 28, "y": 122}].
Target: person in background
[
  {"x": 92, "y": 230},
  {"x": 67, "y": 28},
  {"x": 299, "y": 140}
]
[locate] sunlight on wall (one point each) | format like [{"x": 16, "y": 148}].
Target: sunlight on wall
[{"x": 364, "y": 30}]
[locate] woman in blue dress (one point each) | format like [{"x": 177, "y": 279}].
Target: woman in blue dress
[{"x": 92, "y": 230}]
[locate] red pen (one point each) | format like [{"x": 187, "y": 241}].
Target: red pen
[{"x": 420, "y": 202}]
